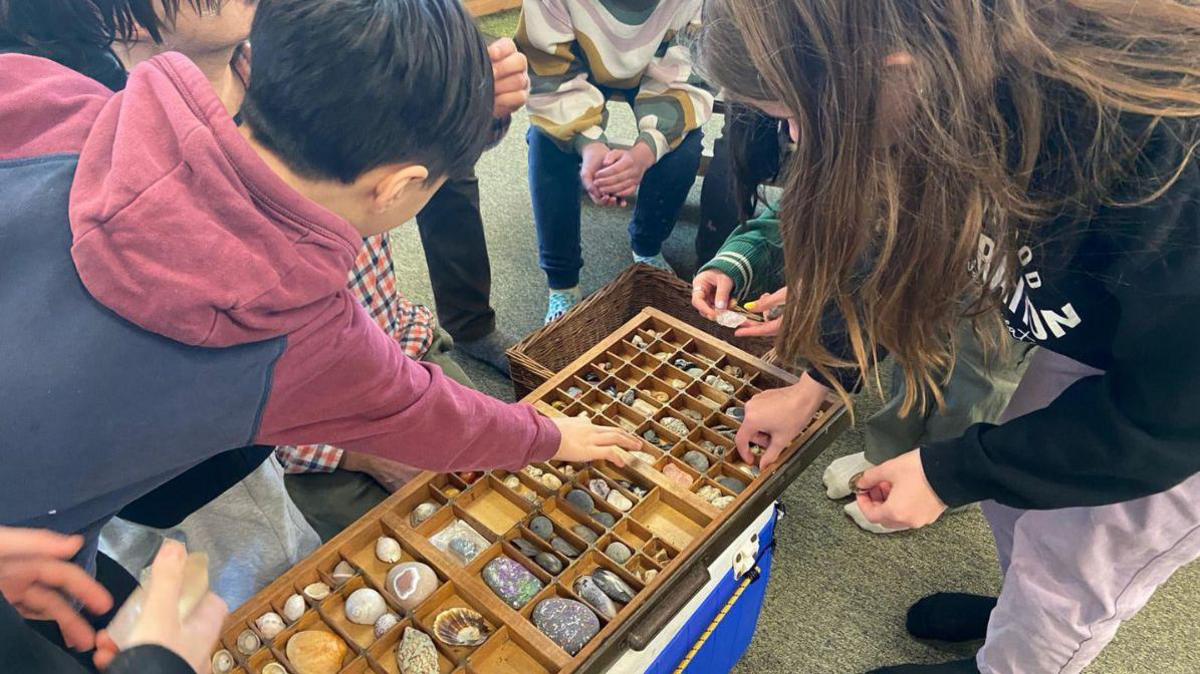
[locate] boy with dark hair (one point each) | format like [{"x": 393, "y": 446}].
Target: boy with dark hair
[{"x": 196, "y": 270}]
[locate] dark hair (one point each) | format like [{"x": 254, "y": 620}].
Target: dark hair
[
  {"x": 344, "y": 86},
  {"x": 62, "y": 27},
  {"x": 124, "y": 16}
]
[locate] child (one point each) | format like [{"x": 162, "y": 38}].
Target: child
[
  {"x": 196, "y": 270},
  {"x": 581, "y": 55},
  {"x": 1034, "y": 160}
]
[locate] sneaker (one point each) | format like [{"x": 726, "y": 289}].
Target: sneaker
[
  {"x": 656, "y": 261},
  {"x": 950, "y": 616},
  {"x": 965, "y": 666},
  {"x": 839, "y": 473},
  {"x": 491, "y": 349},
  {"x": 561, "y": 301}
]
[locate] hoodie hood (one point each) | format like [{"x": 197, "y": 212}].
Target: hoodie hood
[{"x": 179, "y": 227}]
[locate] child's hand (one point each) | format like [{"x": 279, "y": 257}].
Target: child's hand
[
  {"x": 511, "y": 79},
  {"x": 775, "y": 417},
  {"x": 583, "y": 442},
  {"x": 710, "y": 293},
  {"x": 623, "y": 170},
  {"x": 391, "y": 475},
  {"x": 159, "y": 623},
  {"x": 593, "y": 159},
  {"x": 38, "y": 579},
  {"x": 769, "y": 327},
  {"x": 896, "y": 493}
]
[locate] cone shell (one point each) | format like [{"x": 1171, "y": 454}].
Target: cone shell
[{"x": 460, "y": 627}]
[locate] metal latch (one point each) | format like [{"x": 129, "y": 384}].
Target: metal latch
[{"x": 745, "y": 557}]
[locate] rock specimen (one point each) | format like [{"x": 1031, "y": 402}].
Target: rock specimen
[
  {"x": 628, "y": 397},
  {"x": 720, "y": 384},
  {"x": 619, "y": 501},
  {"x": 422, "y": 512},
  {"x": 464, "y": 549},
  {"x": 316, "y": 652},
  {"x": 730, "y": 319},
  {"x": 567, "y": 622},
  {"x": 694, "y": 372},
  {"x": 364, "y": 606},
  {"x": 605, "y": 519},
  {"x": 732, "y": 484},
  {"x": 411, "y": 583},
  {"x": 511, "y": 481},
  {"x": 584, "y": 533},
  {"x": 549, "y": 562},
  {"x": 619, "y": 552},
  {"x": 386, "y": 622},
  {"x": 550, "y": 481},
  {"x": 612, "y": 585},
  {"x": 563, "y": 548},
  {"x": 737, "y": 413},
  {"x": 591, "y": 593},
  {"x": 642, "y": 407},
  {"x": 387, "y": 550},
  {"x": 642, "y": 456},
  {"x": 599, "y": 487},
  {"x": 416, "y": 653},
  {"x": 511, "y": 582},
  {"x": 533, "y": 471},
  {"x": 679, "y": 475},
  {"x": 696, "y": 460},
  {"x": 582, "y": 500},
  {"x": 525, "y": 547},
  {"x": 575, "y": 392},
  {"x": 691, "y": 414},
  {"x": 637, "y": 341},
  {"x": 674, "y": 425},
  {"x": 542, "y": 526},
  {"x": 342, "y": 572}
]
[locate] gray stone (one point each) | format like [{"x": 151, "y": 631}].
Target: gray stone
[
  {"x": 549, "y": 562},
  {"x": 628, "y": 397},
  {"x": 591, "y": 593},
  {"x": 612, "y": 585},
  {"x": 563, "y": 548},
  {"x": 695, "y": 372},
  {"x": 650, "y": 436},
  {"x": 463, "y": 548},
  {"x": 732, "y": 484},
  {"x": 605, "y": 519},
  {"x": 582, "y": 500},
  {"x": 525, "y": 547},
  {"x": 618, "y": 551},
  {"x": 674, "y": 425},
  {"x": 567, "y": 622},
  {"x": 696, "y": 460},
  {"x": 737, "y": 413},
  {"x": 619, "y": 501},
  {"x": 511, "y": 582},
  {"x": 585, "y": 533},
  {"x": 542, "y": 526}
]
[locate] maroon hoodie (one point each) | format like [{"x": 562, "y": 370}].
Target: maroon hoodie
[{"x": 167, "y": 296}]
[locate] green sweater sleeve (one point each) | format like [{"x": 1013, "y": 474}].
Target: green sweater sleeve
[{"x": 753, "y": 257}]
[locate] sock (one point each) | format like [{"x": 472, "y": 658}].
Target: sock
[
  {"x": 656, "y": 261},
  {"x": 865, "y": 524},
  {"x": 966, "y": 666},
  {"x": 837, "y": 475},
  {"x": 561, "y": 301},
  {"x": 490, "y": 349},
  {"x": 950, "y": 616}
]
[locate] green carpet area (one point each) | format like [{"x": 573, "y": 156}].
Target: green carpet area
[{"x": 837, "y": 598}]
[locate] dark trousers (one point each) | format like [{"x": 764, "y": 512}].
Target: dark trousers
[
  {"x": 555, "y": 186},
  {"x": 451, "y": 228}
]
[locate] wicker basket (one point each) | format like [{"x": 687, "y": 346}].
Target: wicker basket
[{"x": 547, "y": 350}]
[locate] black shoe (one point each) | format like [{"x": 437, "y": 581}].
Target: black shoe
[
  {"x": 950, "y": 616},
  {"x": 956, "y": 667}
]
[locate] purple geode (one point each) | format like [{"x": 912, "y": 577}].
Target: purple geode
[
  {"x": 511, "y": 582},
  {"x": 567, "y": 622}
]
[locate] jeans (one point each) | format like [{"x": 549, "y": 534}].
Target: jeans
[{"x": 555, "y": 185}]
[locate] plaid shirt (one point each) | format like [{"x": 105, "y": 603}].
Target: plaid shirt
[{"x": 373, "y": 282}]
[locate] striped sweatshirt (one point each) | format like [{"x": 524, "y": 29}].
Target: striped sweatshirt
[{"x": 581, "y": 52}]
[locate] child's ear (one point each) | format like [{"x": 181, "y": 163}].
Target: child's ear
[{"x": 395, "y": 184}]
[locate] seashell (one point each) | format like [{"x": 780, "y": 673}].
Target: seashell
[
  {"x": 612, "y": 585},
  {"x": 416, "y": 653},
  {"x": 222, "y": 662},
  {"x": 385, "y": 622},
  {"x": 511, "y": 481},
  {"x": 591, "y": 593},
  {"x": 316, "y": 652},
  {"x": 730, "y": 319},
  {"x": 637, "y": 341},
  {"x": 316, "y": 591},
  {"x": 599, "y": 487},
  {"x": 248, "y": 642},
  {"x": 364, "y": 606},
  {"x": 550, "y": 480},
  {"x": 387, "y": 550},
  {"x": 269, "y": 624},
  {"x": 342, "y": 572},
  {"x": 461, "y": 627},
  {"x": 660, "y": 396},
  {"x": 273, "y": 668},
  {"x": 422, "y": 513},
  {"x": 533, "y": 471},
  {"x": 619, "y": 501},
  {"x": 411, "y": 583},
  {"x": 293, "y": 608}
]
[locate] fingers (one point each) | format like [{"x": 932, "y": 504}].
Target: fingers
[
  {"x": 759, "y": 328},
  {"x": 772, "y": 453},
  {"x": 742, "y": 441},
  {"x": 166, "y": 583},
  {"x": 74, "y": 582},
  {"x": 612, "y": 436},
  {"x": 15, "y": 541},
  {"x": 621, "y": 164},
  {"x": 44, "y": 603},
  {"x": 502, "y": 49},
  {"x": 870, "y": 478},
  {"x": 611, "y": 157},
  {"x": 204, "y": 624},
  {"x": 700, "y": 299},
  {"x": 106, "y": 650},
  {"x": 507, "y": 104},
  {"x": 875, "y": 511},
  {"x": 721, "y": 292}
]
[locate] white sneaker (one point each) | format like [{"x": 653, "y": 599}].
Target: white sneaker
[
  {"x": 837, "y": 476},
  {"x": 855, "y": 513}
]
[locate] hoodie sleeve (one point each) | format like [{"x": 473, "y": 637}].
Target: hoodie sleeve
[
  {"x": 671, "y": 101},
  {"x": 345, "y": 382}
]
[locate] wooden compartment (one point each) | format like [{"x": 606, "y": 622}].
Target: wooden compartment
[
  {"x": 445, "y": 598},
  {"x": 311, "y": 622},
  {"x": 333, "y": 610},
  {"x": 261, "y": 660},
  {"x": 670, "y": 518},
  {"x": 383, "y": 651},
  {"x": 494, "y": 506},
  {"x": 508, "y": 653}
]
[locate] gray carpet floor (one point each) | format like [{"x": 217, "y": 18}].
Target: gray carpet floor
[{"x": 837, "y": 596}]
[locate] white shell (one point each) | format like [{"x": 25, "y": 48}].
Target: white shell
[
  {"x": 386, "y": 622},
  {"x": 293, "y": 608},
  {"x": 364, "y": 606},
  {"x": 316, "y": 591},
  {"x": 222, "y": 662},
  {"x": 342, "y": 572},
  {"x": 387, "y": 550},
  {"x": 273, "y": 668},
  {"x": 269, "y": 624},
  {"x": 248, "y": 642},
  {"x": 551, "y": 480}
]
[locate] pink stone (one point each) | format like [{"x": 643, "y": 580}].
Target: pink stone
[{"x": 677, "y": 474}]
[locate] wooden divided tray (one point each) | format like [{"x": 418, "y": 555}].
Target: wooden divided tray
[{"x": 655, "y": 524}]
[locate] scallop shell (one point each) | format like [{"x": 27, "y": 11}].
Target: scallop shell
[
  {"x": 293, "y": 608},
  {"x": 316, "y": 591},
  {"x": 269, "y": 624},
  {"x": 222, "y": 662},
  {"x": 461, "y": 627},
  {"x": 387, "y": 550},
  {"x": 386, "y": 622},
  {"x": 273, "y": 668},
  {"x": 364, "y": 606},
  {"x": 248, "y": 642},
  {"x": 341, "y": 573}
]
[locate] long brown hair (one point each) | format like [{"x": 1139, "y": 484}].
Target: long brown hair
[{"x": 900, "y": 169}]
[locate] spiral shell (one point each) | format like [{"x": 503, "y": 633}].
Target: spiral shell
[
  {"x": 387, "y": 550},
  {"x": 461, "y": 627},
  {"x": 269, "y": 624},
  {"x": 364, "y": 606}
]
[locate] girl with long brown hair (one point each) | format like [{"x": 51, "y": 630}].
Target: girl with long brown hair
[{"x": 1028, "y": 165}]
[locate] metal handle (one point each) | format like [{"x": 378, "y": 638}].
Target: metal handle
[{"x": 685, "y": 589}]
